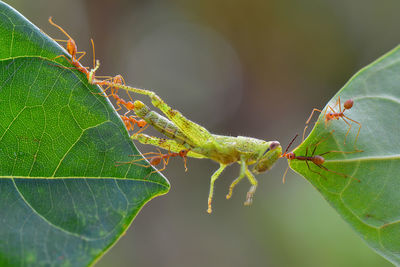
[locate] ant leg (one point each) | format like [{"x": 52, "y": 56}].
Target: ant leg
[
  {"x": 343, "y": 152},
  {"x": 340, "y": 108},
  {"x": 308, "y": 165},
  {"x": 118, "y": 105},
  {"x": 122, "y": 80},
  {"x": 118, "y": 163},
  {"x": 326, "y": 110},
  {"x": 331, "y": 108},
  {"x": 338, "y": 173},
  {"x": 284, "y": 175},
  {"x": 359, "y": 128},
  {"x": 64, "y": 56},
  {"x": 237, "y": 180},
  {"x": 141, "y": 159},
  {"x": 214, "y": 177},
  {"x": 83, "y": 54},
  {"x": 348, "y": 131},
  {"x": 130, "y": 97},
  {"x": 312, "y": 113},
  {"x": 107, "y": 78},
  {"x": 313, "y": 152},
  {"x": 320, "y": 141},
  {"x": 141, "y": 130},
  {"x": 59, "y": 40},
  {"x": 304, "y": 132}
]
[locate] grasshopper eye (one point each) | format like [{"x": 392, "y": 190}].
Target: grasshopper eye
[
  {"x": 268, "y": 158},
  {"x": 274, "y": 145}
]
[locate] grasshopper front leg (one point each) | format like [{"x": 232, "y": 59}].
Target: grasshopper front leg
[
  {"x": 214, "y": 177},
  {"x": 253, "y": 187},
  {"x": 237, "y": 180}
]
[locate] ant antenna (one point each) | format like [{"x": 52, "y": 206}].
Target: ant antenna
[
  {"x": 94, "y": 56},
  {"x": 59, "y": 27},
  {"x": 291, "y": 142}
]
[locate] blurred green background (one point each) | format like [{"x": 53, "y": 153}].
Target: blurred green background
[{"x": 253, "y": 68}]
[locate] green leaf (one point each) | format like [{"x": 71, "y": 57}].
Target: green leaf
[
  {"x": 63, "y": 198},
  {"x": 371, "y": 206}
]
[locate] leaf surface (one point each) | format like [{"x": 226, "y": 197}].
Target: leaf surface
[
  {"x": 371, "y": 206},
  {"x": 64, "y": 199}
]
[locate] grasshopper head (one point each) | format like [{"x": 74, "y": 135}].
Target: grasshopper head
[{"x": 268, "y": 157}]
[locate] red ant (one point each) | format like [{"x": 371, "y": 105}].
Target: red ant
[
  {"x": 156, "y": 160},
  {"x": 318, "y": 160},
  {"x": 131, "y": 121},
  {"x": 72, "y": 49},
  {"x": 127, "y": 104},
  {"x": 348, "y": 104},
  {"x": 118, "y": 79}
]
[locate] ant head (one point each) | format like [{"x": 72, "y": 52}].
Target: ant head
[
  {"x": 348, "y": 104},
  {"x": 141, "y": 123},
  {"x": 129, "y": 105},
  {"x": 290, "y": 155},
  {"x": 267, "y": 157},
  {"x": 118, "y": 79},
  {"x": 183, "y": 153},
  {"x": 319, "y": 160},
  {"x": 329, "y": 116}
]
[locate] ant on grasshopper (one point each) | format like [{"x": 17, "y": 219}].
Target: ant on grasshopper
[
  {"x": 131, "y": 121},
  {"x": 160, "y": 157}
]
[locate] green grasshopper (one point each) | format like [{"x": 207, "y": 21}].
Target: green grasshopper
[{"x": 184, "y": 134}]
